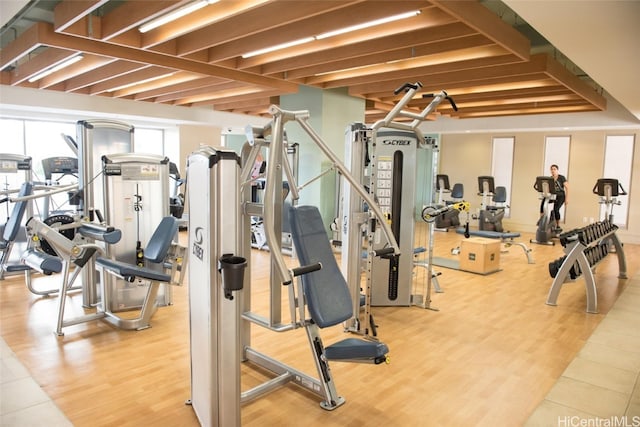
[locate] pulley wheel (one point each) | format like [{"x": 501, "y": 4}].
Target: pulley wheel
[{"x": 56, "y": 221}]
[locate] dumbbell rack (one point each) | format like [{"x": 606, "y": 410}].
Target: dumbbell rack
[{"x": 584, "y": 249}]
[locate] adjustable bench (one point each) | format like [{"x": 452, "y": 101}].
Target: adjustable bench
[
  {"x": 326, "y": 292},
  {"x": 506, "y": 238}
]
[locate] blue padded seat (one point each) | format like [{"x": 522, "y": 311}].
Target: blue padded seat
[
  {"x": 326, "y": 291},
  {"x": 354, "y": 348},
  {"x": 457, "y": 192},
  {"x": 490, "y": 234},
  {"x": 155, "y": 252}
]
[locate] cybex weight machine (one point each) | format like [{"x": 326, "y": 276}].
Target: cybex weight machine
[
  {"x": 384, "y": 159},
  {"x": 221, "y": 316}
]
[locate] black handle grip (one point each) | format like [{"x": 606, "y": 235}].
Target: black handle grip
[
  {"x": 452, "y": 102},
  {"x": 304, "y": 269},
  {"x": 382, "y": 252},
  {"x": 99, "y": 215},
  {"x": 406, "y": 87}
]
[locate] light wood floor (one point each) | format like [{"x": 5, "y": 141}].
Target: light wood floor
[{"x": 488, "y": 357}]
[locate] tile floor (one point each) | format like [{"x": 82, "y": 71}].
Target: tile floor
[
  {"x": 22, "y": 402},
  {"x": 600, "y": 387},
  {"x": 602, "y": 384}
]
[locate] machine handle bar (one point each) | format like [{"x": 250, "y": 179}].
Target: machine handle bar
[
  {"x": 303, "y": 269},
  {"x": 382, "y": 252},
  {"x": 621, "y": 191},
  {"x": 447, "y": 97},
  {"x": 405, "y": 87}
]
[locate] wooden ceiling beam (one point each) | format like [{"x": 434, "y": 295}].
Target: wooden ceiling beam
[
  {"x": 311, "y": 27},
  {"x": 24, "y": 44},
  {"x": 212, "y": 96},
  {"x": 100, "y": 74},
  {"x": 258, "y": 93},
  {"x": 472, "y": 69},
  {"x": 444, "y": 75},
  {"x": 484, "y": 21},
  {"x": 68, "y": 12},
  {"x": 432, "y": 56},
  {"x": 178, "y": 98},
  {"x": 268, "y": 16},
  {"x": 429, "y": 18},
  {"x": 146, "y": 57},
  {"x": 558, "y": 72},
  {"x": 248, "y": 104},
  {"x": 412, "y": 43},
  {"x": 39, "y": 63},
  {"x": 205, "y": 17},
  {"x": 132, "y": 78},
  {"x": 87, "y": 65},
  {"x": 174, "y": 91}
]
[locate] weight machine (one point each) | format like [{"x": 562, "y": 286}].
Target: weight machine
[
  {"x": 62, "y": 242},
  {"x": 220, "y": 297},
  {"x": 12, "y": 230},
  {"x": 135, "y": 188},
  {"x": 96, "y": 138},
  {"x": 383, "y": 158}
]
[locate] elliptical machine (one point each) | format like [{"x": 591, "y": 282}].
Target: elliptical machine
[{"x": 547, "y": 223}]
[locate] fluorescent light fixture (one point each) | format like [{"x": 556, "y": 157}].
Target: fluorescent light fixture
[
  {"x": 139, "y": 82},
  {"x": 278, "y": 47},
  {"x": 56, "y": 67},
  {"x": 333, "y": 33},
  {"x": 369, "y": 24},
  {"x": 175, "y": 14}
]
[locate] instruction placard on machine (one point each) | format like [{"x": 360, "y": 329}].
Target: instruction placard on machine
[
  {"x": 383, "y": 184},
  {"x": 136, "y": 172}
]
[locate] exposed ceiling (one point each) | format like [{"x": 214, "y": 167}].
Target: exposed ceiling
[{"x": 199, "y": 60}]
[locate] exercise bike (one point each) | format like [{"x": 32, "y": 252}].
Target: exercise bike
[
  {"x": 609, "y": 189},
  {"x": 491, "y": 215},
  {"x": 547, "y": 224},
  {"x": 450, "y": 218}
]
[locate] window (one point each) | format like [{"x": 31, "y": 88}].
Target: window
[
  {"x": 502, "y": 165},
  {"x": 618, "y": 160},
  {"x": 12, "y": 143},
  {"x": 44, "y": 140},
  {"x": 148, "y": 141}
]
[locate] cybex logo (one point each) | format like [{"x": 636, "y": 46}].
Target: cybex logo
[
  {"x": 396, "y": 142},
  {"x": 197, "y": 250}
]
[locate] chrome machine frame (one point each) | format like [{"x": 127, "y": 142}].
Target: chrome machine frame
[
  {"x": 220, "y": 306},
  {"x": 363, "y": 142},
  {"x": 136, "y": 198}
]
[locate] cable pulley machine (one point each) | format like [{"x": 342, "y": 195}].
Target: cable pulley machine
[{"x": 383, "y": 157}]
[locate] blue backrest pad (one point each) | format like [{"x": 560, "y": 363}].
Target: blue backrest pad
[
  {"x": 161, "y": 239},
  {"x": 12, "y": 226},
  {"x": 326, "y": 291}
]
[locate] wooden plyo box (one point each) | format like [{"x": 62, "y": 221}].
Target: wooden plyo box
[{"x": 480, "y": 255}]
